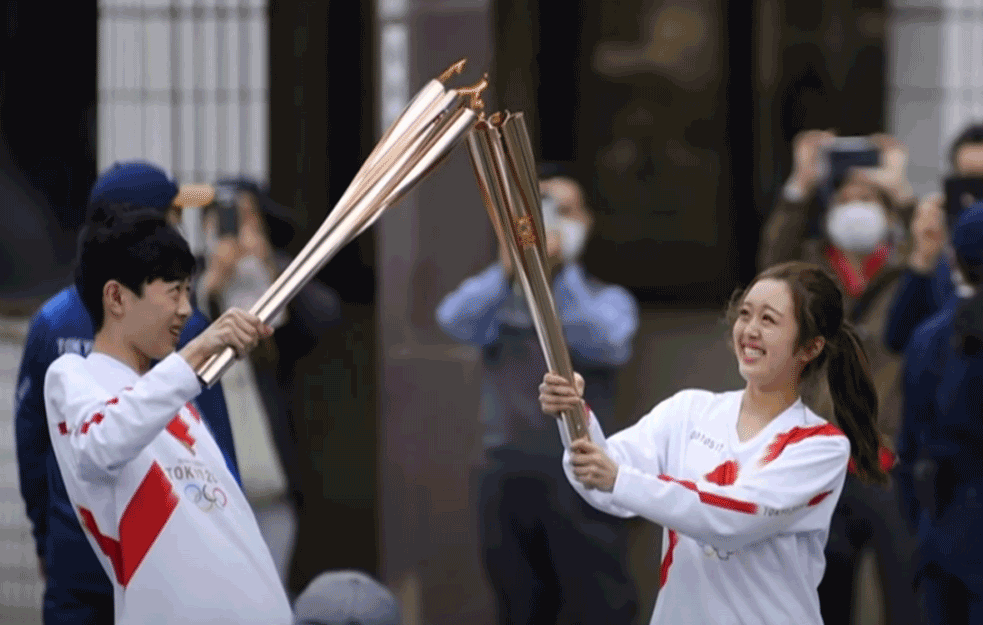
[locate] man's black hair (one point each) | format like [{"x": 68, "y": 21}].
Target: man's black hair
[
  {"x": 132, "y": 248},
  {"x": 102, "y": 212},
  {"x": 971, "y": 135}
]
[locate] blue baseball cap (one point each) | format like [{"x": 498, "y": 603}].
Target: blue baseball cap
[
  {"x": 967, "y": 236},
  {"x": 134, "y": 182}
]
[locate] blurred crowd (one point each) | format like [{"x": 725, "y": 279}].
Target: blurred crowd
[
  {"x": 908, "y": 267},
  {"x": 909, "y": 270}
]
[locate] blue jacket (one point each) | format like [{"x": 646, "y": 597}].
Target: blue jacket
[
  {"x": 918, "y": 297},
  {"x": 599, "y": 323},
  {"x": 943, "y": 421},
  {"x": 63, "y": 325}
]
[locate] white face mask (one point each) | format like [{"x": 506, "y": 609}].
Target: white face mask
[
  {"x": 573, "y": 236},
  {"x": 857, "y": 226}
]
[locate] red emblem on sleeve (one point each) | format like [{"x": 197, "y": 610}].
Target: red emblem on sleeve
[
  {"x": 180, "y": 430},
  {"x": 725, "y": 474}
]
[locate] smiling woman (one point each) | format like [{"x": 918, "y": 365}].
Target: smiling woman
[
  {"x": 797, "y": 309},
  {"x": 744, "y": 483}
]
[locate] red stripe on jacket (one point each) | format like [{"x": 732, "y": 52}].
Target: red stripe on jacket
[
  {"x": 716, "y": 500},
  {"x": 885, "y": 458},
  {"x": 95, "y": 419},
  {"x": 142, "y": 522},
  {"x": 667, "y": 561},
  {"x": 796, "y": 435},
  {"x": 194, "y": 411},
  {"x": 818, "y": 498}
]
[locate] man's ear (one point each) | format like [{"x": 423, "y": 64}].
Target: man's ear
[
  {"x": 813, "y": 349},
  {"x": 114, "y": 299}
]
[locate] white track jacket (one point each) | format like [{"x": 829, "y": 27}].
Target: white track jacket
[
  {"x": 169, "y": 524},
  {"x": 745, "y": 523}
]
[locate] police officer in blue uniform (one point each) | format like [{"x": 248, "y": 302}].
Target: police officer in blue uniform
[
  {"x": 77, "y": 589},
  {"x": 943, "y": 421}
]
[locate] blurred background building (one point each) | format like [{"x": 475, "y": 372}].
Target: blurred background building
[{"x": 678, "y": 116}]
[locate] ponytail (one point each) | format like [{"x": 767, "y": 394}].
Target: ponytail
[{"x": 855, "y": 401}]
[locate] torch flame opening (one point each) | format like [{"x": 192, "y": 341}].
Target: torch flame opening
[
  {"x": 453, "y": 70},
  {"x": 474, "y": 92}
]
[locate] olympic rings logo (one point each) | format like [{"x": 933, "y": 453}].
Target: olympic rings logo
[{"x": 205, "y": 497}]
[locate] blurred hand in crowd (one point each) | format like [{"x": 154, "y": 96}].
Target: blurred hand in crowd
[
  {"x": 892, "y": 174},
  {"x": 808, "y": 159},
  {"x": 928, "y": 233}
]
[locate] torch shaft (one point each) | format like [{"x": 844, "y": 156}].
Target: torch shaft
[
  {"x": 513, "y": 222},
  {"x": 399, "y": 172}
]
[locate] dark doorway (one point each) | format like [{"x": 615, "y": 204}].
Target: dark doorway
[{"x": 47, "y": 130}]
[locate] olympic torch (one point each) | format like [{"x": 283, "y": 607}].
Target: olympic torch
[
  {"x": 430, "y": 126},
  {"x": 505, "y": 168}
]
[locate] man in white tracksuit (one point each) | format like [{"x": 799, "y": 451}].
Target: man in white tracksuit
[{"x": 160, "y": 508}]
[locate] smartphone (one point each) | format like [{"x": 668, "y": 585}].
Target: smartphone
[
  {"x": 848, "y": 152},
  {"x": 844, "y": 154},
  {"x": 960, "y": 194},
  {"x": 228, "y": 212}
]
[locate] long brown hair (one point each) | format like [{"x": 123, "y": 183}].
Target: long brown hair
[{"x": 818, "y": 303}]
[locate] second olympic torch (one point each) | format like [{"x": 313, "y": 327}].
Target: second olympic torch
[
  {"x": 505, "y": 168},
  {"x": 430, "y": 126}
]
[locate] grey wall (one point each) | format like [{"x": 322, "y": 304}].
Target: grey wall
[{"x": 935, "y": 80}]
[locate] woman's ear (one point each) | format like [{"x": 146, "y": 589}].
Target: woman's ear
[{"x": 812, "y": 349}]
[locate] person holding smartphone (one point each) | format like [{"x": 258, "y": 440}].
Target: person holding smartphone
[
  {"x": 931, "y": 277},
  {"x": 240, "y": 268},
  {"x": 943, "y": 421},
  {"x": 850, "y": 221}
]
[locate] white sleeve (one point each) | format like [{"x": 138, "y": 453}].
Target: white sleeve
[
  {"x": 106, "y": 431},
  {"x": 795, "y": 492},
  {"x": 645, "y": 444}
]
